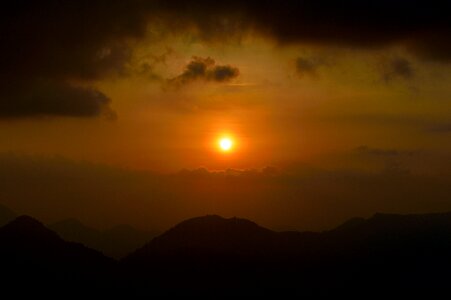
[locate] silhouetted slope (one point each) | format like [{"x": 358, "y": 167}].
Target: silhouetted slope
[
  {"x": 412, "y": 223},
  {"x": 234, "y": 236},
  {"x": 385, "y": 255},
  {"x": 403, "y": 254},
  {"x": 351, "y": 223},
  {"x": 387, "y": 232},
  {"x": 212, "y": 233},
  {"x": 33, "y": 256},
  {"x": 122, "y": 240},
  {"x": 115, "y": 242},
  {"x": 6, "y": 215}
]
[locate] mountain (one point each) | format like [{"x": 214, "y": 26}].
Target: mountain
[
  {"x": 35, "y": 257},
  {"x": 212, "y": 234},
  {"x": 6, "y": 215},
  {"x": 115, "y": 242},
  {"x": 398, "y": 254},
  {"x": 386, "y": 255}
]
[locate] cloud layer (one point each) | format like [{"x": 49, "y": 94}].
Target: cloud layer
[
  {"x": 397, "y": 67},
  {"x": 301, "y": 197},
  {"x": 422, "y": 26},
  {"x": 309, "y": 66},
  {"x": 54, "y": 98},
  {"x": 66, "y": 42},
  {"x": 48, "y": 45}
]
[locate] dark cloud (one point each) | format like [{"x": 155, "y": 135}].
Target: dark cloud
[
  {"x": 397, "y": 67},
  {"x": 308, "y": 66},
  {"x": 223, "y": 73},
  {"x": 72, "y": 41},
  {"x": 150, "y": 62},
  {"x": 444, "y": 127},
  {"x": 53, "y": 98},
  {"x": 366, "y": 150},
  {"x": 228, "y": 173},
  {"x": 422, "y": 26},
  {"x": 48, "y": 44},
  {"x": 204, "y": 69},
  {"x": 83, "y": 39}
]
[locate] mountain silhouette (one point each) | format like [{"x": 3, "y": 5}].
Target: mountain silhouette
[
  {"x": 400, "y": 254},
  {"x": 385, "y": 255},
  {"x": 213, "y": 234},
  {"x": 115, "y": 242},
  {"x": 33, "y": 256}
]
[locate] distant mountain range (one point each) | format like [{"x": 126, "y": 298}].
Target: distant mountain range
[
  {"x": 115, "y": 242},
  {"x": 403, "y": 255}
]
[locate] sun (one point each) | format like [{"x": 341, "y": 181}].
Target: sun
[{"x": 225, "y": 144}]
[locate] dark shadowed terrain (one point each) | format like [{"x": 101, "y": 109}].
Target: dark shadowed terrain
[
  {"x": 211, "y": 255},
  {"x": 35, "y": 260}
]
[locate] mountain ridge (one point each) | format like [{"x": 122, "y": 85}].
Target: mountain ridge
[{"x": 400, "y": 254}]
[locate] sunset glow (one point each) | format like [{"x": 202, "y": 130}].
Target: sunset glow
[
  {"x": 294, "y": 114},
  {"x": 225, "y": 144}
]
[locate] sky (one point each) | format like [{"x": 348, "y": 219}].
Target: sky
[{"x": 111, "y": 111}]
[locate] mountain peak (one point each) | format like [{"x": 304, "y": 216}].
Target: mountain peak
[
  {"x": 26, "y": 226},
  {"x": 216, "y": 219},
  {"x": 351, "y": 223},
  {"x": 25, "y": 221},
  {"x": 217, "y": 225},
  {"x": 211, "y": 233}
]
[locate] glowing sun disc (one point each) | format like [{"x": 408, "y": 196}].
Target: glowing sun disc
[{"x": 225, "y": 144}]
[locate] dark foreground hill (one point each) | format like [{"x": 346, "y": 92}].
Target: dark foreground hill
[
  {"x": 34, "y": 259},
  {"x": 386, "y": 255},
  {"x": 406, "y": 255}
]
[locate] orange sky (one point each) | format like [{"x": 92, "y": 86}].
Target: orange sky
[
  {"x": 276, "y": 114},
  {"x": 341, "y": 107}
]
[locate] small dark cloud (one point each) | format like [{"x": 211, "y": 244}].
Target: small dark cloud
[
  {"x": 147, "y": 70},
  {"x": 223, "y": 73},
  {"x": 366, "y": 150},
  {"x": 204, "y": 69},
  {"x": 308, "y": 66},
  {"x": 386, "y": 160},
  {"x": 444, "y": 127},
  {"x": 395, "y": 68},
  {"x": 53, "y": 98},
  {"x": 228, "y": 173},
  {"x": 149, "y": 63}
]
